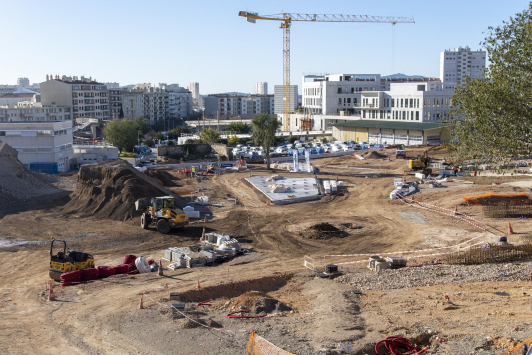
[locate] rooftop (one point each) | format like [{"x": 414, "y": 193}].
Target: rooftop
[{"x": 415, "y": 126}]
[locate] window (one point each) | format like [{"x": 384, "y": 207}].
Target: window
[
  {"x": 401, "y": 102},
  {"x": 393, "y": 102},
  {"x": 404, "y": 115},
  {"x": 339, "y": 90},
  {"x": 417, "y": 103},
  {"x": 417, "y": 115},
  {"x": 411, "y": 102},
  {"x": 412, "y": 116},
  {"x": 2, "y": 133}
]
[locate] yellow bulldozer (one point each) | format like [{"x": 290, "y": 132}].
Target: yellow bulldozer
[
  {"x": 161, "y": 213},
  {"x": 64, "y": 261}
]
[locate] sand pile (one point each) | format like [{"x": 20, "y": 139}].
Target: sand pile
[
  {"x": 257, "y": 302},
  {"x": 322, "y": 230},
  {"x": 18, "y": 184},
  {"x": 109, "y": 190}
]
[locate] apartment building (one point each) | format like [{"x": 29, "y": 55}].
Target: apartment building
[
  {"x": 261, "y": 88},
  {"x": 115, "y": 102},
  {"x": 233, "y": 105},
  {"x": 132, "y": 103},
  {"x": 13, "y": 99},
  {"x": 279, "y": 98},
  {"x": 88, "y": 98},
  {"x": 32, "y": 112},
  {"x": 459, "y": 63},
  {"x": 23, "y": 82},
  {"x": 179, "y": 99},
  {"x": 194, "y": 89}
]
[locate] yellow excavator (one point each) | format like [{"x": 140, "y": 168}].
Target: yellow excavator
[
  {"x": 161, "y": 213},
  {"x": 64, "y": 261},
  {"x": 423, "y": 160}
]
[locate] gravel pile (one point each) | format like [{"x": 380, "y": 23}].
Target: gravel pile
[{"x": 437, "y": 274}]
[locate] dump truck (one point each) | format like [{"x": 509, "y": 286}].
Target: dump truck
[{"x": 161, "y": 213}]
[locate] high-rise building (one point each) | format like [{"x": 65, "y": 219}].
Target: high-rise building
[
  {"x": 87, "y": 97},
  {"x": 261, "y": 88},
  {"x": 23, "y": 82},
  {"x": 279, "y": 98},
  {"x": 459, "y": 63},
  {"x": 194, "y": 89}
]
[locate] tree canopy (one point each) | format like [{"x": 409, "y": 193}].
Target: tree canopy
[
  {"x": 264, "y": 129},
  {"x": 238, "y": 127},
  {"x": 492, "y": 118},
  {"x": 142, "y": 124},
  {"x": 176, "y": 132},
  {"x": 121, "y": 133},
  {"x": 209, "y": 135}
]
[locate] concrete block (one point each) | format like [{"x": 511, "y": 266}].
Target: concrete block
[
  {"x": 180, "y": 306},
  {"x": 174, "y": 296}
]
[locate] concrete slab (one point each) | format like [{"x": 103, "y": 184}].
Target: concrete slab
[{"x": 301, "y": 189}]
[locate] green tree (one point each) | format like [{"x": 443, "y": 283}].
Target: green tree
[
  {"x": 264, "y": 129},
  {"x": 233, "y": 140},
  {"x": 148, "y": 142},
  {"x": 209, "y": 135},
  {"x": 142, "y": 124},
  {"x": 492, "y": 118},
  {"x": 238, "y": 127},
  {"x": 176, "y": 132},
  {"x": 159, "y": 136},
  {"x": 121, "y": 133}
]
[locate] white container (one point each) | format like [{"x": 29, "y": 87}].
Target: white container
[
  {"x": 340, "y": 183},
  {"x": 420, "y": 176},
  {"x": 333, "y": 186}
]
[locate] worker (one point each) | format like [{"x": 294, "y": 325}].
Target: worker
[
  {"x": 455, "y": 169},
  {"x": 475, "y": 173},
  {"x": 186, "y": 171},
  {"x": 193, "y": 170}
]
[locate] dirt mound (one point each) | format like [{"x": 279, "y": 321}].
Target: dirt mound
[
  {"x": 257, "y": 302},
  {"x": 322, "y": 230},
  {"x": 188, "y": 324},
  {"x": 109, "y": 190},
  {"x": 163, "y": 176},
  {"x": 374, "y": 155},
  {"x": 18, "y": 184}
]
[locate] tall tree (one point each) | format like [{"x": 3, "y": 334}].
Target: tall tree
[
  {"x": 209, "y": 135},
  {"x": 121, "y": 133},
  {"x": 142, "y": 124},
  {"x": 492, "y": 118},
  {"x": 264, "y": 129}
]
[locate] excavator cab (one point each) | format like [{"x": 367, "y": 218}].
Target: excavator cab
[{"x": 64, "y": 261}]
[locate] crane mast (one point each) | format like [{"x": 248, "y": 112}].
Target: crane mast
[{"x": 286, "y": 21}]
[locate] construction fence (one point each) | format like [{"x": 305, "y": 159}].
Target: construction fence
[
  {"x": 491, "y": 254},
  {"x": 257, "y": 345},
  {"x": 511, "y": 209}
]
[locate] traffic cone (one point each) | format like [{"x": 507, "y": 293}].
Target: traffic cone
[
  {"x": 51, "y": 294},
  {"x": 455, "y": 209},
  {"x": 141, "y": 306},
  {"x": 267, "y": 202},
  {"x": 404, "y": 178},
  {"x": 510, "y": 229},
  {"x": 366, "y": 161},
  {"x": 160, "y": 269},
  {"x": 198, "y": 287},
  {"x": 205, "y": 221}
]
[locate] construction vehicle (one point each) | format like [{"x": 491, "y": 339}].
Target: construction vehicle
[
  {"x": 161, "y": 213},
  {"x": 400, "y": 153},
  {"x": 65, "y": 261},
  {"x": 423, "y": 160}
]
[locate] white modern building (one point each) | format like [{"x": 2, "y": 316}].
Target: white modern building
[
  {"x": 89, "y": 154},
  {"x": 87, "y": 97},
  {"x": 459, "y": 63},
  {"x": 261, "y": 88},
  {"x": 40, "y": 144},
  {"x": 279, "y": 98},
  {"x": 194, "y": 89},
  {"x": 32, "y": 112},
  {"x": 23, "y": 82}
]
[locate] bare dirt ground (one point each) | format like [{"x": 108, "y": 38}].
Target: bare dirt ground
[{"x": 102, "y": 317}]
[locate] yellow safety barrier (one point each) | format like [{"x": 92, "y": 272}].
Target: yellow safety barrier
[
  {"x": 516, "y": 350},
  {"x": 257, "y": 345}
]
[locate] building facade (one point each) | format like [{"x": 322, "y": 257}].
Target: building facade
[
  {"x": 39, "y": 142},
  {"x": 279, "y": 98},
  {"x": 115, "y": 103},
  {"x": 12, "y": 100},
  {"x": 23, "y": 82},
  {"x": 194, "y": 89},
  {"x": 459, "y": 63},
  {"x": 261, "y": 88},
  {"x": 237, "y": 105},
  {"x": 88, "y": 98},
  {"x": 112, "y": 85},
  {"x": 133, "y": 103}
]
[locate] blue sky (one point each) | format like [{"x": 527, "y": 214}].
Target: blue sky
[{"x": 206, "y": 41}]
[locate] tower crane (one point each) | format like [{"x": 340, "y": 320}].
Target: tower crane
[{"x": 286, "y": 21}]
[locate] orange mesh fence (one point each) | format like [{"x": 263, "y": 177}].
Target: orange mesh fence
[
  {"x": 493, "y": 197},
  {"x": 257, "y": 345},
  {"x": 516, "y": 350}
]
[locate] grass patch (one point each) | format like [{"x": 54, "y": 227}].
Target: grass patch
[{"x": 127, "y": 155}]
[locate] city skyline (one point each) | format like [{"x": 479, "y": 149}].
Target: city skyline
[{"x": 207, "y": 42}]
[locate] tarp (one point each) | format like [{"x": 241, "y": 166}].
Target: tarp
[{"x": 491, "y": 196}]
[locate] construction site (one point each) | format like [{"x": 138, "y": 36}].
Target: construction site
[{"x": 444, "y": 267}]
